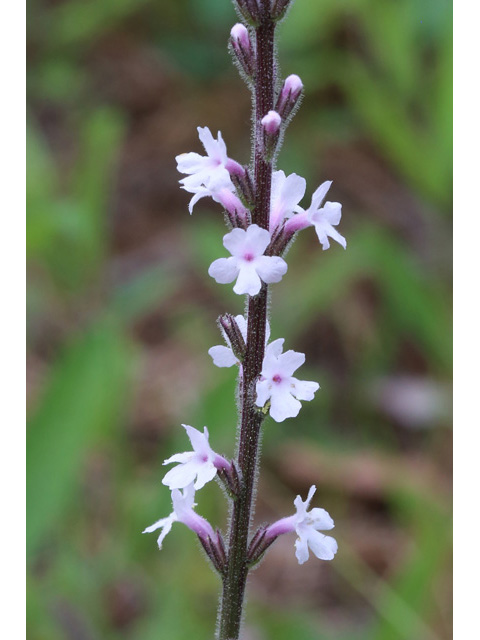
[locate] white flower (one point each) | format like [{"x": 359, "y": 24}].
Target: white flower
[
  {"x": 248, "y": 265},
  {"x": 278, "y": 385},
  {"x": 203, "y": 169},
  {"x": 287, "y": 191},
  {"x": 199, "y": 466},
  {"x": 307, "y": 525},
  {"x": 208, "y": 175},
  {"x": 183, "y": 503},
  {"x": 325, "y": 218},
  {"x": 223, "y": 356}
]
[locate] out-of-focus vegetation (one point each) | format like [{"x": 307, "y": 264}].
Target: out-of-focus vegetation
[{"x": 122, "y": 312}]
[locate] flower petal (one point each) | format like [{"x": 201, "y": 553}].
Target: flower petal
[
  {"x": 199, "y": 440},
  {"x": 258, "y": 240},
  {"x": 321, "y": 519},
  {"x": 332, "y": 212},
  {"x": 210, "y": 144},
  {"x": 319, "y": 195},
  {"x": 224, "y": 270},
  {"x": 206, "y": 472},
  {"x": 190, "y": 162},
  {"x": 235, "y": 242},
  {"x": 180, "y": 476},
  {"x": 304, "y": 389},
  {"x": 263, "y": 392},
  {"x": 290, "y": 361},
  {"x": 222, "y": 356},
  {"x": 284, "y": 405},
  {"x": 324, "y": 547},
  {"x": 248, "y": 281},
  {"x": 271, "y": 268},
  {"x": 182, "y": 458},
  {"x": 242, "y": 325},
  {"x": 301, "y": 550}
]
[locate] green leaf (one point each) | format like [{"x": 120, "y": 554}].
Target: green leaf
[{"x": 83, "y": 401}]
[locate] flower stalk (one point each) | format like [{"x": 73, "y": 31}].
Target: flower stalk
[{"x": 263, "y": 213}]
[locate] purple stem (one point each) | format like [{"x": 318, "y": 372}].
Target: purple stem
[{"x": 234, "y": 582}]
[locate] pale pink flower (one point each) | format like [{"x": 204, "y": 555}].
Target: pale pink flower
[
  {"x": 307, "y": 525},
  {"x": 248, "y": 265},
  {"x": 324, "y": 219},
  {"x": 278, "y": 385},
  {"x": 200, "y": 465}
]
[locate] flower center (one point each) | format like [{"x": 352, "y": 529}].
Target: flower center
[
  {"x": 248, "y": 257},
  {"x": 277, "y": 378}
]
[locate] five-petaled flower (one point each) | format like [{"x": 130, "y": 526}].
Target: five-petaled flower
[
  {"x": 210, "y": 174},
  {"x": 278, "y": 385},
  {"x": 307, "y": 525},
  {"x": 199, "y": 466},
  {"x": 248, "y": 264},
  {"x": 324, "y": 219},
  {"x": 183, "y": 503}
]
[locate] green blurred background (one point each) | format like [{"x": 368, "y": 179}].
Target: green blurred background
[{"x": 121, "y": 313}]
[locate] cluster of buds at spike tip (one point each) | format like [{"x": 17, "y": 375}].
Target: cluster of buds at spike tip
[
  {"x": 242, "y": 50},
  {"x": 289, "y": 96}
]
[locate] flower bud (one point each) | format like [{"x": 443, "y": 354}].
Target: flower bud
[
  {"x": 244, "y": 185},
  {"x": 289, "y": 95},
  {"x": 232, "y": 331},
  {"x": 271, "y": 127},
  {"x": 271, "y": 123},
  {"x": 242, "y": 50},
  {"x": 237, "y": 213},
  {"x": 240, "y": 37},
  {"x": 279, "y": 8}
]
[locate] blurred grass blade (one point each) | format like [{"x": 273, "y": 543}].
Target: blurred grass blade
[{"x": 83, "y": 400}]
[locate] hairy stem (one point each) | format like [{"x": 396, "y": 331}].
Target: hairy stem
[{"x": 235, "y": 579}]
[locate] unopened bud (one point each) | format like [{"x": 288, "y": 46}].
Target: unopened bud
[
  {"x": 242, "y": 49},
  {"x": 271, "y": 123},
  {"x": 230, "y": 328},
  {"x": 238, "y": 214},
  {"x": 289, "y": 95},
  {"x": 240, "y": 37},
  {"x": 244, "y": 185}
]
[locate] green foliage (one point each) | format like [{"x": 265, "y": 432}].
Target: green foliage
[{"x": 84, "y": 400}]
